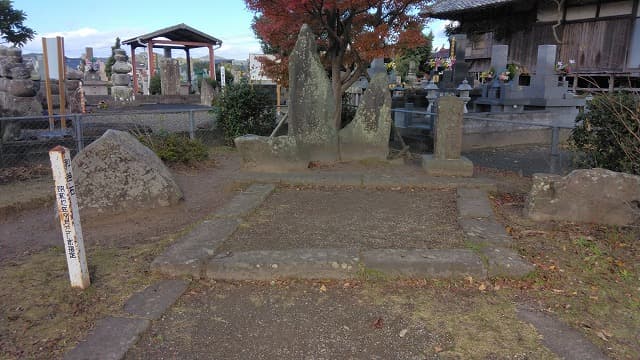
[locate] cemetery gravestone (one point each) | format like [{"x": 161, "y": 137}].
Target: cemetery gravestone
[{"x": 446, "y": 159}]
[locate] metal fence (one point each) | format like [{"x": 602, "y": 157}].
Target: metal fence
[{"x": 26, "y": 141}]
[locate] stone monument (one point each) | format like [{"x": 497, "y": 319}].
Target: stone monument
[
  {"x": 367, "y": 136},
  {"x": 120, "y": 77},
  {"x": 91, "y": 83},
  {"x": 116, "y": 173},
  {"x": 312, "y": 133},
  {"x": 311, "y": 101},
  {"x": 169, "y": 76},
  {"x": 446, "y": 159}
]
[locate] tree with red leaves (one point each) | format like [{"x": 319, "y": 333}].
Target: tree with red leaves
[{"x": 350, "y": 33}]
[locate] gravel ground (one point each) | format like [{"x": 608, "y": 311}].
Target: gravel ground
[{"x": 351, "y": 218}]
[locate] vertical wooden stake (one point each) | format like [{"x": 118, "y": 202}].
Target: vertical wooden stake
[
  {"x": 61, "y": 81},
  {"x": 69, "y": 215},
  {"x": 47, "y": 82}
]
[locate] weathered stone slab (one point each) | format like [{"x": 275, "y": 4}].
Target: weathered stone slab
[
  {"x": 448, "y": 132},
  {"x": 367, "y": 136},
  {"x": 473, "y": 203},
  {"x": 505, "y": 262},
  {"x": 485, "y": 232},
  {"x": 263, "y": 153},
  {"x": 169, "y": 76},
  {"x": 153, "y": 301},
  {"x": 246, "y": 201},
  {"x": 110, "y": 339},
  {"x": 564, "y": 341},
  {"x": 425, "y": 263},
  {"x": 447, "y": 167},
  {"x": 588, "y": 195},
  {"x": 117, "y": 173},
  {"x": 189, "y": 254},
  {"x": 311, "y": 101},
  {"x": 298, "y": 264}
]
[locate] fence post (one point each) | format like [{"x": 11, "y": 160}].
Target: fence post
[
  {"x": 192, "y": 126},
  {"x": 77, "y": 124},
  {"x": 554, "y": 167}
]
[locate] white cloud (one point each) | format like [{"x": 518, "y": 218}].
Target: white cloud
[{"x": 75, "y": 41}]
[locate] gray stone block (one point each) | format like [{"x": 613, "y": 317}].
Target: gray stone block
[
  {"x": 425, "y": 263},
  {"x": 447, "y": 167},
  {"x": 586, "y": 195},
  {"x": 109, "y": 340},
  {"x": 564, "y": 341},
  {"x": 486, "y": 232},
  {"x": 264, "y": 153},
  {"x": 188, "y": 255},
  {"x": 507, "y": 263},
  {"x": 153, "y": 301},
  {"x": 474, "y": 203},
  {"x": 298, "y": 264},
  {"x": 246, "y": 201}
]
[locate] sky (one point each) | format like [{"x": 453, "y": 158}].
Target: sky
[{"x": 97, "y": 23}]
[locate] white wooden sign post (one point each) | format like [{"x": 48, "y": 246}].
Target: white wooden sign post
[
  {"x": 223, "y": 76},
  {"x": 69, "y": 217}
]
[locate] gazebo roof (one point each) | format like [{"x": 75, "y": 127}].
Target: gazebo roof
[
  {"x": 446, "y": 8},
  {"x": 180, "y": 32}
]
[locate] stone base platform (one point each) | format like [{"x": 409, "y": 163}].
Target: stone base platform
[{"x": 449, "y": 167}]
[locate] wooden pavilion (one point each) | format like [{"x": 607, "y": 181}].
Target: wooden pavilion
[{"x": 180, "y": 37}]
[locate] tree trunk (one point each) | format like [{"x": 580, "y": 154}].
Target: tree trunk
[{"x": 336, "y": 84}]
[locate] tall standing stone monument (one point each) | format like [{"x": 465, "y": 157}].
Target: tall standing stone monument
[
  {"x": 446, "y": 159},
  {"x": 311, "y": 101}
]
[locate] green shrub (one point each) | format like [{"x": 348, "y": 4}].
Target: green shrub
[
  {"x": 243, "y": 109},
  {"x": 155, "y": 86},
  {"x": 608, "y": 134},
  {"x": 174, "y": 147}
]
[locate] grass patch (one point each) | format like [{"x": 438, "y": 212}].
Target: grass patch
[{"x": 42, "y": 314}]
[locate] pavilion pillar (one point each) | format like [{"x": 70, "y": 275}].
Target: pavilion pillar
[
  {"x": 151, "y": 62},
  {"x": 135, "y": 73},
  {"x": 186, "y": 50},
  {"x": 212, "y": 64}
]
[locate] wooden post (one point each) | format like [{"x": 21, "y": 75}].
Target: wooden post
[
  {"x": 61, "y": 82},
  {"x": 69, "y": 215},
  {"x": 186, "y": 50},
  {"x": 151, "y": 62},
  {"x": 133, "y": 69},
  {"x": 278, "y": 99},
  {"x": 212, "y": 63},
  {"x": 47, "y": 83}
]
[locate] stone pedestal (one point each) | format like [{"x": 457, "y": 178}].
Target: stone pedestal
[{"x": 446, "y": 160}]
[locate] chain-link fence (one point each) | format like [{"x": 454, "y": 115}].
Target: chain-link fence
[{"x": 26, "y": 141}]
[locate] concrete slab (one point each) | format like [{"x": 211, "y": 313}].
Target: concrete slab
[
  {"x": 449, "y": 263},
  {"x": 474, "y": 203},
  {"x": 558, "y": 337},
  {"x": 298, "y": 264},
  {"x": 486, "y": 232},
  {"x": 153, "y": 301},
  {"x": 447, "y": 167},
  {"x": 246, "y": 201},
  {"x": 187, "y": 256},
  {"x": 110, "y": 339},
  {"x": 505, "y": 262}
]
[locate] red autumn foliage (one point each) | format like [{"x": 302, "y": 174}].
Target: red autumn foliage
[{"x": 350, "y": 33}]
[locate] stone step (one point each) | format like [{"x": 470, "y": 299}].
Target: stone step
[
  {"x": 297, "y": 263},
  {"x": 425, "y": 263},
  {"x": 474, "y": 203}
]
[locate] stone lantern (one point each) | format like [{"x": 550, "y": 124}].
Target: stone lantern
[
  {"x": 463, "y": 91},
  {"x": 432, "y": 94}
]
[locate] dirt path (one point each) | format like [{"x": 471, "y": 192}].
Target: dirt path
[{"x": 206, "y": 189}]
